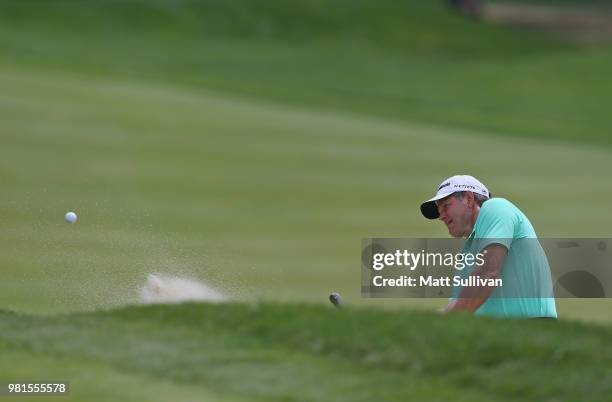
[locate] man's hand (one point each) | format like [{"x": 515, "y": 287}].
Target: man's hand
[
  {"x": 472, "y": 297},
  {"x": 449, "y": 307}
]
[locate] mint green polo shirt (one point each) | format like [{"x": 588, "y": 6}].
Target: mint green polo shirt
[{"x": 527, "y": 289}]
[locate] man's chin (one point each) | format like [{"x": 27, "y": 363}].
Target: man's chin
[{"x": 455, "y": 235}]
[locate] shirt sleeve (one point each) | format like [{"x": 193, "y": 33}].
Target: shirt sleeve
[{"x": 497, "y": 225}]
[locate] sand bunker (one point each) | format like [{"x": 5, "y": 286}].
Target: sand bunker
[{"x": 173, "y": 289}]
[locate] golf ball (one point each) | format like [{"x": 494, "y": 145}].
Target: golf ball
[{"x": 70, "y": 217}]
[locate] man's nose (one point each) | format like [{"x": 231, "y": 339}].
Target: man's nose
[{"x": 443, "y": 217}]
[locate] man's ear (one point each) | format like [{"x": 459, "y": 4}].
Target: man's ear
[{"x": 470, "y": 199}]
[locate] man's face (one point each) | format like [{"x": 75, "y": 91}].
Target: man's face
[{"x": 456, "y": 215}]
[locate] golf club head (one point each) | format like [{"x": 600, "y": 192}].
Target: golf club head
[{"x": 336, "y": 299}]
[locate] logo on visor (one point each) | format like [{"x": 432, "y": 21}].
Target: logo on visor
[
  {"x": 444, "y": 185},
  {"x": 469, "y": 186}
]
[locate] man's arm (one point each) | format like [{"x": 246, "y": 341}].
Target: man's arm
[{"x": 472, "y": 297}]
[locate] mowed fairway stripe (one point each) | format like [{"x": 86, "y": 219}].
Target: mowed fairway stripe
[{"x": 269, "y": 198}]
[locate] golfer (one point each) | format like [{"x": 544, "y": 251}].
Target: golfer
[{"x": 503, "y": 234}]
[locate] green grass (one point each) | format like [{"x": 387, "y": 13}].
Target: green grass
[
  {"x": 253, "y": 145},
  {"x": 412, "y": 61},
  {"x": 559, "y": 3},
  {"x": 262, "y": 200},
  {"x": 302, "y": 353}
]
